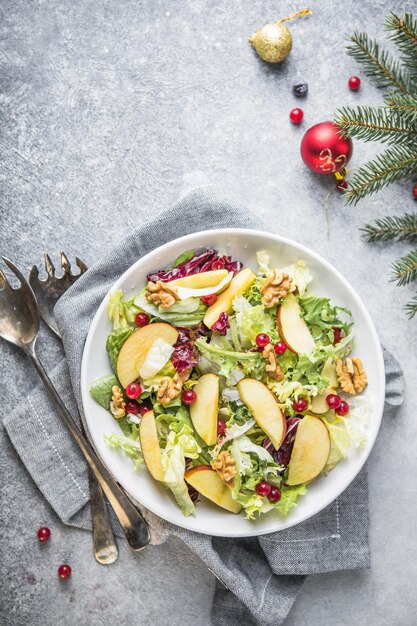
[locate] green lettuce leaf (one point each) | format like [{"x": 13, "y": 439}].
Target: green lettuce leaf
[
  {"x": 321, "y": 316},
  {"x": 289, "y": 498},
  {"x": 121, "y": 312},
  {"x": 185, "y": 256},
  {"x": 101, "y": 390},
  {"x": 115, "y": 342},
  {"x": 130, "y": 446}
]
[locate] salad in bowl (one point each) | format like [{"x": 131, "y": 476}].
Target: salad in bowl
[{"x": 232, "y": 383}]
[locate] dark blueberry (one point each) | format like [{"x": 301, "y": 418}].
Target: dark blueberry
[{"x": 300, "y": 90}]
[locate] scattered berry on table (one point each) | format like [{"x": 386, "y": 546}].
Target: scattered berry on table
[
  {"x": 296, "y": 116},
  {"x": 221, "y": 427},
  {"x": 415, "y": 191},
  {"x": 354, "y": 83},
  {"x": 44, "y": 533},
  {"x": 300, "y": 405},
  {"x": 209, "y": 300},
  {"x": 262, "y": 340},
  {"x": 274, "y": 495},
  {"x": 263, "y": 489},
  {"x": 333, "y": 401},
  {"x": 133, "y": 391},
  {"x": 280, "y": 347},
  {"x": 142, "y": 319},
  {"x": 300, "y": 90},
  {"x": 64, "y": 571},
  {"x": 189, "y": 396},
  {"x": 132, "y": 407},
  {"x": 343, "y": 408}
]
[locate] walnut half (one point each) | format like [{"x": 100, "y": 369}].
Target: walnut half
[
  {"x": 161, "y": 294},
  {"x": 118, "y": 404},
  {"x": 225, "y": 466},
  {"x": 273, "y": 368},
  {"x": 275, "y": 289},
  {"x": 351, "y": 375},
  {"x": 170, "y": 388}
]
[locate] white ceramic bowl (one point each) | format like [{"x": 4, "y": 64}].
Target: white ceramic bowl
[{"x": 208, "y": 518}]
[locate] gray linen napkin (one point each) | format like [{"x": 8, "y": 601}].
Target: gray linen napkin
[{"x": 260, "y": 576}]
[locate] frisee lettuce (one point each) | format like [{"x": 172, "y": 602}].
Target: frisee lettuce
[{"x": 121, "y": 312}]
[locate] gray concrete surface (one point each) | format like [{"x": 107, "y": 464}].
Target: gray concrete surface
[{"x": 108, "y": 111}]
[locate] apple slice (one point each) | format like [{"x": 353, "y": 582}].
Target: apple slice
[
  {"x": 209, "y": 484},
  {"x": 265, "y": 409},
  {"x": 292, "y": 328},
  {"x": 149, "y": 443},
  {"x": 240, "y": 283},
  {"x": 310, "y": 452},
  {"x": 199, "y": 281},
  {"x": 318, "y": 403},
  {"x": 204, "y": 411},
  {"x": 134, "y": 351}
]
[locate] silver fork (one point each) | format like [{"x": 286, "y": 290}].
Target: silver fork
[
  {"x": 19, "y": 325},
  {"x": 47, "y": 294}
]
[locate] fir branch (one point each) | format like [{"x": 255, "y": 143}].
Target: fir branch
[
  {"x": 405, "y": 269},
  {"x": 375, "y": 124},
  {"x": 411, "y": 307},
  {"x": 401, "y": 228},
  {"x": 404, "y": 105},
  {"x": 378, "y": 63},
  {"x": 404, "y": 34},
  {"x": 394, "y": 164}
]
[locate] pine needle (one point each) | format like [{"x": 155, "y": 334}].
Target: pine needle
[
  {"x": 375, "y": 124},
  {"x": 401, "y": 228},
  {"x": 404, "y": 34},
  {"x": 378, "y": 63},
  {"x": 403, "y": 104},
  {"x": 411, "y": 308},
  {"x": 394, "y": 164},
  {"x": 405, "y": 269}
]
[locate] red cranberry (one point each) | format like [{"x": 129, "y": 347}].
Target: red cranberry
[
  {"x": 333, "y": 401},
  {"x": 144, "y": 408},
  {"x": 142, "y": 319},
  {"x": 263, "y": 489},
  {"x": 274, "y": 495},
  {"x": 343, "y": 408},
  {"x": 337, "y": 334},
  {"x": 209, "y": 300},
  {"x": 300, "y": 405},
  {"x": 342, "y": 185},
  {"x": 354, "y": 83},
  {"x": 262, "y": 340},
  {"x": 280, "y": 347},
  {"x": 44, "y": 533},
  {"x": 296, "y": 116},
  {"x": 189, "y": 396},
  {"x": 132, "y": 407},
  {"x": 415, "y": 191},
  {"x": 64, "y": 571},
  {"x": 221, "y": 427},
  {"x": 133, "y": 391}
]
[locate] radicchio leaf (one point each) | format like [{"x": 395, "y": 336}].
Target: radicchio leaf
[
  {"x": 203, "y": 262},
  {"x": 185, "y": 354},
  {"x": 283, "y": 454},
  {"x": 221, "y": 325}
]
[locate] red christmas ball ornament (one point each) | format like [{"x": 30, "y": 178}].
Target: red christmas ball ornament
[{"x": 324, "y": 150}]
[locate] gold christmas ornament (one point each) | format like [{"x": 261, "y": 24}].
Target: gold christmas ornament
[{"x": 273, "y": 42}]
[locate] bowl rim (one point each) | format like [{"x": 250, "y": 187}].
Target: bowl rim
[{"x": 377, "y": 408}]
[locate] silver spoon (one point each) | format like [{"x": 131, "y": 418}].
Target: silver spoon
[
  {"x": 47, "y": 293},
  {"x": 19, "y": 325}
]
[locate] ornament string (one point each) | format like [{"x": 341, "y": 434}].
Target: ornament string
[{"x": 302, "y": 13}]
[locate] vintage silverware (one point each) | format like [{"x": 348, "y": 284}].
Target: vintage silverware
[
  {"x": 47, "y": 294},
  {"x": 19, "y": 325}
]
